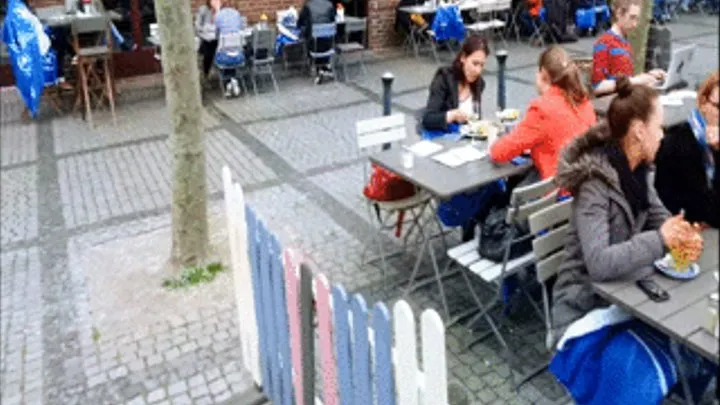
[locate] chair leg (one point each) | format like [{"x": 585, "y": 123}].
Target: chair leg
[
  {"x": 111, "y": 92},
  {"x": 272, "y": 77},
  {"x": 253, "y": 77},
  {"x": 86, "y": 94}
]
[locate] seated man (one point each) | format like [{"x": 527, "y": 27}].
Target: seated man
[
  {"x": 612, "y": 55},
  {"x": 230, "y": 52},
  {"x": 318, "y": 12}
]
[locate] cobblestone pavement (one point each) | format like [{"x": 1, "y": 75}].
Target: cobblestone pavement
[{"x": 67, "y": 188}]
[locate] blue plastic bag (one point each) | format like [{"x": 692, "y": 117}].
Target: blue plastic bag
[
  {"x": 448, "y": 24},
  {"x": 26, "y": 59}
]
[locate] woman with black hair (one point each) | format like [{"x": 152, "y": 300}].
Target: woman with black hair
[{"x": 456, "y": 88}]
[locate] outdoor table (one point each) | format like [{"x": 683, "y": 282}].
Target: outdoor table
[
  {"x": 428, "y": 9},
  {"x": 56, "y": 16},
  {"x": 674, "y": 115},
  {"x": 682, "y": 316},
  {"x": 444, "y": 182}
]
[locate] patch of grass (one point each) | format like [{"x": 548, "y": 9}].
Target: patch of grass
[
  {"x": 194, "y": 276},
  {"x": 95, "y": 334}
]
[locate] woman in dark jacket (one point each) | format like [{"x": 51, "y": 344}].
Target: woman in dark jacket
[
  {"x": 686, "y": 178},
  {"x": 455, "y": 89},
  {"x": 618, "y": 228}
]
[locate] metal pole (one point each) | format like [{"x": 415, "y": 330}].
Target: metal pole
[
  {"x": 501, "y": 56},
  {"x": 387, "y": 80}
]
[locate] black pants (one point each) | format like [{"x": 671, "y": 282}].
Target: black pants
[
  {"x": 207, "y": 50},
  {"x": 60, "y": 42},
  {"x": 322, "y": 45}
]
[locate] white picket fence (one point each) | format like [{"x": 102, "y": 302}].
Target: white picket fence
[{"x": 363, "y": 359}]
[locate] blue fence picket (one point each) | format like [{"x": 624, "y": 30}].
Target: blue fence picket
[
  {"x": 341, "y": 338},
  {"x": 360, "y": 351},
  {"x": 383, "y": 376},
  {"x": 274, "y": 389},
  {"x": 281, "y": 323},
  {"x": 255, "y": 263}
]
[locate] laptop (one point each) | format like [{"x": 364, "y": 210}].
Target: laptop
[{"x": 679, "y": 65}]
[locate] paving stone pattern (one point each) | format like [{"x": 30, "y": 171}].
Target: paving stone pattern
[{"x": 67, "y": 187}]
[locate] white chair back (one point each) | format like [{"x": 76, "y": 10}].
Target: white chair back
[{"x": 378, "y": 131}]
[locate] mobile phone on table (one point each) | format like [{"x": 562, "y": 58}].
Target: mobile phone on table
[{"x": 653, "y": 290}]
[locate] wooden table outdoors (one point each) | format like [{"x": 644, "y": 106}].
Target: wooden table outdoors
[
  {"x": 674, "y": 115},
  {"x": 681, "y": 317}
]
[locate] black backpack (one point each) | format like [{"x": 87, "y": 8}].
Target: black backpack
[{"x": 496, "y": 233}]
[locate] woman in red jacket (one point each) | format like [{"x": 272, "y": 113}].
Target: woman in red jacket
[{"x": 562, "y": 112}]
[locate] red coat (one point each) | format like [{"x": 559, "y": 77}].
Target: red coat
[{"x": 550, "y": 123}]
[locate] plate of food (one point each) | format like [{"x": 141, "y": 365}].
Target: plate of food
[
  {"x": 508, "y": 114},
  {"x": 675, "y": 266},
  {"x": 481, "y": 129}
]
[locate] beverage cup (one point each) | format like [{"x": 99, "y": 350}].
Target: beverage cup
[{"x": 408, "y": 159}]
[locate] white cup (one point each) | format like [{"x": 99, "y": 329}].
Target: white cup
[{"x": 408, "y": 159}]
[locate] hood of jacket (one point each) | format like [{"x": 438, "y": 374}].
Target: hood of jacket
[{"x": 584, "y": 159}]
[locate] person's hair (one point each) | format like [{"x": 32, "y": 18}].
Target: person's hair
[
  {"x": 471, "y": 45},
  {"x": 632, "y": 102},
  {"x": 564, "y": 73},
  {"x": 706, "y": 88},
  {"x": 620, "y": 7}
]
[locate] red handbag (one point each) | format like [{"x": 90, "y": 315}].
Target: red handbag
[{"x": 385, "y": 185}]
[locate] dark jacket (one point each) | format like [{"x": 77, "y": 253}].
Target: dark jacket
[
  {"x": 315, "y": 12},
  {"x": 443, "y": 98},
  {"x": 605, "y": 240},
  {"x": 681, "y": 179}
]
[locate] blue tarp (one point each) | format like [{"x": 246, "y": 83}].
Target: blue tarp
[{"x": 23, "y": 42}]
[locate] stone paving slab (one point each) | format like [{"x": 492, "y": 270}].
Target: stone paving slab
[
  {"x": 18, "y": 145},
  {"x": 139, "y": 121},
  {"x": 296, "y": 97},
  {"x": 18, "y": 205}
]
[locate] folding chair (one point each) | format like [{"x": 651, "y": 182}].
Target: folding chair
[
  {"x": 279, "y": 16},
  {"x": 93, "y": 49},
  {"x": 230, "y": 45},
  {"x": 489, "y": 21},
  {"x": 262, "y": 60},
  {"x": 350, "y": 48},
  {"x": 372, "y": 134},
  {"x": 324, "y": 34},
  {"x": 550, "y": 227},
  {"x": 524, "y": 202},
  {"x": 421, "y": 35}
]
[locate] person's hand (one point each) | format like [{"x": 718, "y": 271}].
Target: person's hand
[
  {"x": 675, "y": 230},
  {"x": 645, "y": 79},
  {"x": 215, "y": 4},
  {"x": 658, "y": 74},
  {"x": 712, "y": 137},
  {"x": 456, "y": 116}
]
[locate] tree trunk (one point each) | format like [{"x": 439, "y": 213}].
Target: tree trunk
[
  {"x": 639, "y": 37},
  {"x": 182, "y": 92}
]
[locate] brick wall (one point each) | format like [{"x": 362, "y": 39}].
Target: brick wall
[{"x": 381, "y": 15}]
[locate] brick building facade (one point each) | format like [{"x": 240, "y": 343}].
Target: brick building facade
[{"x": 381, "y": 15}]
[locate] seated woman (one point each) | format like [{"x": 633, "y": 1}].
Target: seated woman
[
  {"x": 686, "y": 178},
  {"x": 618, "y": 229},
  {"x": 456, "y": 88},
  {"x": 205, "y": 30},
  {"x": 230, "y": 53},
  {"x": 562, "y": 112}
]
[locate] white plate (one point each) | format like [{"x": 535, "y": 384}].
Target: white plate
[{"x": 666, "y": 267}]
